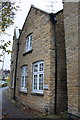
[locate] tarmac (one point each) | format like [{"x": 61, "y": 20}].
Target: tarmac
[{"x": 10, "y": 110}]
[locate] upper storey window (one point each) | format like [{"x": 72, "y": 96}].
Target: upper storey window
[{"x": 29, "y": 43}]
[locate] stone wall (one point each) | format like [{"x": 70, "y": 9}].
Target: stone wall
[
  {"x": 43, "y": 48},
  {"x": 13, "y": 63},
  {"x": 71, "y": 14},
  {"x": 41, "y": 44},
  {"x": 61, "y": 65}
]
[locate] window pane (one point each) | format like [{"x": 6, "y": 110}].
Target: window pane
[
  {"x": 22, "y": 70},
  {"x": 25, "y": 81},
  {"x": 31, "y": 37},
  {"x": 24, "y": 77},
  {"x": 30, "y": 41},
  {"x": 36, "y": 68},
  {"x": 35, "y": 82},
  {"x": 22, "y": 81},
  {"x": 27, "y": 43},
  {"x": 41, "y": 67},
  {"x": 25, "y": 71},
  {"x": 40, "y": 81}
]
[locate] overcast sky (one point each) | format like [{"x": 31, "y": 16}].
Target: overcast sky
[{"x": 47, "y": 5}]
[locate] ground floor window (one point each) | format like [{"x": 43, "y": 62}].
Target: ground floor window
[
  {"x": 24, "y": 78},
  {"x": 38, "y": 77}
]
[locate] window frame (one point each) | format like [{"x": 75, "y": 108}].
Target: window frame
[
  {"x": 38, "y": 81},
  {"x": 24, "y": 74},
  {"x": 28, "y": 43}
]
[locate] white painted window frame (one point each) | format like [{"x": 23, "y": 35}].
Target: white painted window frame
[
  {"x": 38, "y": 73},
  {"x": 24, "y": 74},
  {"x": 28, "y": 47}
]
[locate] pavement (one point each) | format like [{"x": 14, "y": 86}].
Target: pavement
[{"x": 9, "y": 109}]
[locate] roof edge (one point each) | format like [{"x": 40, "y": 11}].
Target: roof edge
[
  {"x": 39, "y": 9},
  {"x": 58, "y": 12},
  {"x": 32, "y": 6}
]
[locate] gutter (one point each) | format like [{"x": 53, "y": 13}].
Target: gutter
[{"x": 53, "y": 19}]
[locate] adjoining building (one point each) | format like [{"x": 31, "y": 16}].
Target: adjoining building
[
  {"x": 72, "y": 43},
  {"x": 4, "y": 74}
]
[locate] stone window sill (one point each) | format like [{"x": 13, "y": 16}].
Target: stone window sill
[
  {"x": 23, "y": 91},
  {"x": 30, "y": 51},
  {"x": 37, "y": 94},
  {"x": 12, "y": 87}
]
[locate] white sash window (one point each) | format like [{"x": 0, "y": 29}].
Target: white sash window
[
  {"x": 38, "y": 77},
  {"x": 24, "y": 78},
  {"x": 29, "y": 43}
]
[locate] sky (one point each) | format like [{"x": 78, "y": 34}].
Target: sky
[
  {"x": 42, "y": 4},
  {"x": 21, "y": 14}
]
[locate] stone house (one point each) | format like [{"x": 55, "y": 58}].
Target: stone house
[
  {"x": 4, "y": 74},
  {"x": 72, "y": 43},
  {"x": 38, "y": 63},
  {"x": 1, "y": 74}
]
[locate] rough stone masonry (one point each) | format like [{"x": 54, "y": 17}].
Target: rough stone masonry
[
  {"x": 39, "y": 24},
  {"x": 72, "y": 41}
]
